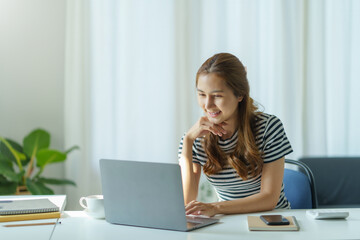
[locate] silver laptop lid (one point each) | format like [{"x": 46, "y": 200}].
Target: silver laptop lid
[{"x": 143, "y": 194}]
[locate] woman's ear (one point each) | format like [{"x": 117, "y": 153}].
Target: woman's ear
[{"x": 240, "y": 98}]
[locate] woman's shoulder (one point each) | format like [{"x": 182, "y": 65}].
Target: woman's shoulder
[
  {"x": 265, "y": 119},
  {"x": 271, "y": 137}
]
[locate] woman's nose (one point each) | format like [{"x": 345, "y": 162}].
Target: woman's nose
[{"x": 209, "y": 102}]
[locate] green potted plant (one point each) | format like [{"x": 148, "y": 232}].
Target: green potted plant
[{"x": 22, "y": 166}]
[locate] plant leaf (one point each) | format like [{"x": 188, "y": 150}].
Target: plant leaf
[
  {"x": 38, "y": 188},
  {"x": 6, "y": 153},
  {"x": 56, "y": 181},
  {"x": 15, "y": 145},
  {"x": 7, "y": 170},
  {"x": 46, "y": 156},
  {"x": 71, "y": 149},
  {"x": 20, "y": 151},
  {"x": 35, "y": 141},
  {"x": 2, "y": 157},
  {"x": 3, "y": 179},
  {"x": 7, "y": 188}
]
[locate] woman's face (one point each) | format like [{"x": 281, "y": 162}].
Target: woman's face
[{"x": 217, "y": 99}]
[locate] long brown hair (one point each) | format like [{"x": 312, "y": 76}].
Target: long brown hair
[{"x": 246, "y": 158}]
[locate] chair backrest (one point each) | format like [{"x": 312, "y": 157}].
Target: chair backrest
[
  {"x": 299, "y": 186},
  {"x": 337, "y": 180}
]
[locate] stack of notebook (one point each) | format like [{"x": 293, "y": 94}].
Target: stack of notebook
[{"x": 28, "y": 209}]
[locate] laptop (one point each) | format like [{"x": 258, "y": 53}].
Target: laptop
[{"x": 146, "y": 194}]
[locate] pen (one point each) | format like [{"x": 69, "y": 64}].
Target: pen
[{"x": 31, "y": 224}]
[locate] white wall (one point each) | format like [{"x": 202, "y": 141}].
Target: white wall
[{"x": 32, "y": 38}]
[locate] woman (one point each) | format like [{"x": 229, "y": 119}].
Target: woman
[{"x": 241, "y": 151}]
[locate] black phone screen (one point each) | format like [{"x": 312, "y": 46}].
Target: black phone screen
[{"x": 274, "y": 220}]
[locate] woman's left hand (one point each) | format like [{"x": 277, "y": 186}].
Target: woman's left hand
[{"x": 199, "y": 208}]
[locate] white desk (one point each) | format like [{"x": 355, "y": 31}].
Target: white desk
[{"x": 77, "y": 225}]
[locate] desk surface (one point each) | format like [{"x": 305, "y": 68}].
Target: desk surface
[{"x": 77, "y": 225}]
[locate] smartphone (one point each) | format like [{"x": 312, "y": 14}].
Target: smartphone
[{"x": 274, "y": 220}]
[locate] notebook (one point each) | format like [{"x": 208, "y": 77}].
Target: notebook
[
  {"x": 29, "y": 216},
  {"x": 26, "y": 206},
  {"x": 256, "y": 224},
  {"x": 146, "y": 194}
]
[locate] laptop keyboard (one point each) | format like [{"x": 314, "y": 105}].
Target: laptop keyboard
[{"x": 191, "y": 220}]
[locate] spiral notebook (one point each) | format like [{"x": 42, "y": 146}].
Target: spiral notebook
[{"x": 27, "y": 206}]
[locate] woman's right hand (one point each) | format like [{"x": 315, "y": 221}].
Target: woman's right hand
[{"x": 203, "y": 127}]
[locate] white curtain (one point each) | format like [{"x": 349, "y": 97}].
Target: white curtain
[
  {"x": 133, "y": 69},
  {"x": 78, "y": 104},
  {"x": 331, "y": 99},
  {"x": 131, "y": 65}
]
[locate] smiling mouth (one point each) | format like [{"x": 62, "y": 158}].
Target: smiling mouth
[{"x": 214, "y": 114}]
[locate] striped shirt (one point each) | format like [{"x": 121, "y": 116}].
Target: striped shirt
[{"x": 272, "y": 142}]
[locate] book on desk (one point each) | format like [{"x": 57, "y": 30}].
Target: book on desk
[{"x": 31, "y": 208}]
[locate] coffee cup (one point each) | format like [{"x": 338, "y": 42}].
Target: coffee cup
[{"x": 94, "y": 205}]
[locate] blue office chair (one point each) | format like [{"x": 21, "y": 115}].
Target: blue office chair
[
  {"x": 337, "y": 180},
  {"x": 299, "y": 185}
]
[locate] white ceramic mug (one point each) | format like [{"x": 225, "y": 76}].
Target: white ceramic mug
[{"x": 94, "y": 205}]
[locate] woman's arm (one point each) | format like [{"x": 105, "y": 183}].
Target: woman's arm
[
  {"x": 190, "y": 172},
  {"x": 265, "y": 200}
]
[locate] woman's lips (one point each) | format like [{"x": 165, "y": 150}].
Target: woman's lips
[{"x": 214, "y": 114}]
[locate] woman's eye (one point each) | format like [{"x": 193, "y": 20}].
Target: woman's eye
[
  {"x": 201, "y": 94},
  {"x": 218, "y": 96}
]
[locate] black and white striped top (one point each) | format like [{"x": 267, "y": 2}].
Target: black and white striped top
[{"x": 271, "y": 140}]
